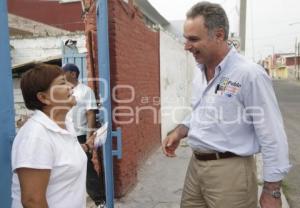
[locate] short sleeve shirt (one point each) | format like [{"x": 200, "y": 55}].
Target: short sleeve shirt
[{"x": 42, "y": 144}]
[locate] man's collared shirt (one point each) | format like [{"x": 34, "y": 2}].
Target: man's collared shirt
[
  {"x": 237, "y": 111},
  {"x": 86, "y": 101}
]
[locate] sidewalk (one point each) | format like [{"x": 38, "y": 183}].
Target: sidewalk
[{"x": 160, "y": 182}]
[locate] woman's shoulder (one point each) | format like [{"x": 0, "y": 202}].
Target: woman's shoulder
[{"x": 31, "y": 130}]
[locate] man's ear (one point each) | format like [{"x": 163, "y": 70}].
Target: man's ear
[
  {"x": 43, "y": 98},
  {"x": 220, "y": 34},
  {"x": 73, "y": 74}
]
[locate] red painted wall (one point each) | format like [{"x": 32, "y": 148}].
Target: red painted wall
[
  {"x": 290, "y": 61},
  {"x": 91, "y": 44},
  {"x": 134, "y": 61},
  {"x": 65, "y": 16}
]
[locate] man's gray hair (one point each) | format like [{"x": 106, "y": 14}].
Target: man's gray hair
[{"x": 214, "y": 16}]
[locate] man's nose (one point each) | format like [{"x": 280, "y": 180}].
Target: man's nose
[{"x": 187, "y": 46}]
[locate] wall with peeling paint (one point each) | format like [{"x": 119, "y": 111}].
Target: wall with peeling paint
[{"x": 176, "y": 73}]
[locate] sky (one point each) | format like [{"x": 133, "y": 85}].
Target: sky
[{"x": 272, "y": 25}]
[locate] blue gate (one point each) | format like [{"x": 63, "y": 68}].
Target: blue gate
[
  {"x": 7, "y": 130},
  {"x": 70, "y": 54}
]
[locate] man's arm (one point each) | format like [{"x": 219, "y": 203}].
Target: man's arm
[
  {"x": 91, "y": 122},
  {"x": 171, "y": 142},
  {"x": 269, "y": 197},
  {"x": 261, "y": 104},
  {"x": 91, "y": 107}
]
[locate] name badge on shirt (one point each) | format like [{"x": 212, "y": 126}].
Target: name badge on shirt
[{"x": 227, "y": 87}]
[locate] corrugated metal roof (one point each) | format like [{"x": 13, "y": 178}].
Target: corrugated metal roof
[
  {"x": 20, "y": 68},
  {"x": 21, "y": 26}
]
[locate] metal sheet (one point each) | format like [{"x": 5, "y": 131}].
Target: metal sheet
[{"x": 7, "y": 130}]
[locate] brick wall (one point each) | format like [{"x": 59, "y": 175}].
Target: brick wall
[
  {"x": 134, "y": 61},
  {"x": 91, "y": 44}
]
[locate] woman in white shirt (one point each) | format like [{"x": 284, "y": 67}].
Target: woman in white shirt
[{"x": 48, "y": 163}]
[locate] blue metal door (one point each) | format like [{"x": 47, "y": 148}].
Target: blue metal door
[
  {"x": 70, "y": 54},
  {"x": 7, "y": 130},
  {"x": 105, "y": 96}
]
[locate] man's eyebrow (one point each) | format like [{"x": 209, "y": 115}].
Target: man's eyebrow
[{"x": 190, "y": 37}]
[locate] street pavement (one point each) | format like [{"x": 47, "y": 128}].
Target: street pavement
[
  {"x": 288, "y": 95},
  {"x": 160, "y": 181}
]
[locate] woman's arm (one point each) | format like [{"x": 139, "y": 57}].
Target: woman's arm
[{"x": 33, "y": 184}]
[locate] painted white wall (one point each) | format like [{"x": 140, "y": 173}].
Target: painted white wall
[
  {"x": 176, "y": 74},
  {"x": 20, "y": 110},
  {"x": 25, "y": 50}
]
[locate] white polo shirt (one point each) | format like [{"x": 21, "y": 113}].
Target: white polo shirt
[
  {"x": 85, "y": 99},
  {"x": 42, "y": 144}
]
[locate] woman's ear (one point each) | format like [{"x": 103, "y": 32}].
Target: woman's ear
[{"x": 43, "y": 98}]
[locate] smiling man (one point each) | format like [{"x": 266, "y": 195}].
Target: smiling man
[{"x": 235, "y": 115}]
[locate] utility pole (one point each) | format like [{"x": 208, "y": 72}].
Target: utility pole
[
  {"x": 242, "y": 28},
  {"x": 298, "y": 61},
  {"x": 296, "y": 58},
  {"x": 297, "y": 54}
]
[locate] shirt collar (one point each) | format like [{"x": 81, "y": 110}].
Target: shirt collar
[
  {"x": 44, "y": 120},
  {"x": 222, "y": 65}
]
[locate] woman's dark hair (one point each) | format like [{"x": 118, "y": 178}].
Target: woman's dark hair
[{"x": 38, "y": 79}]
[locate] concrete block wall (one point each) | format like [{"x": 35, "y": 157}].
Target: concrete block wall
[
  {"x": 21, "y": 112},
  {"x": 135, "y": 84},
  {"x": 26, "y": 50}
]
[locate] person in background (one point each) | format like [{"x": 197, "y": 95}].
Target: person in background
[
  {"x": 83, "y": 116},
  {"x": 234, "y": 115},
  {"x": 48, "y": 163}
]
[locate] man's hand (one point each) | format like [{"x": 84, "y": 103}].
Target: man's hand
[
  {"x": 266, "y": 198},
  {"x": 171, "y": 142},
  {"x": 90, "y": 141},
  {"x": 96, "y": 162},
  {"x": 91, "y": 122},
  {"x": 267, "y": 201}
]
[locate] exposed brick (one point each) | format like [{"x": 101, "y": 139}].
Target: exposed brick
[{"x": 134, "y": 61}]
